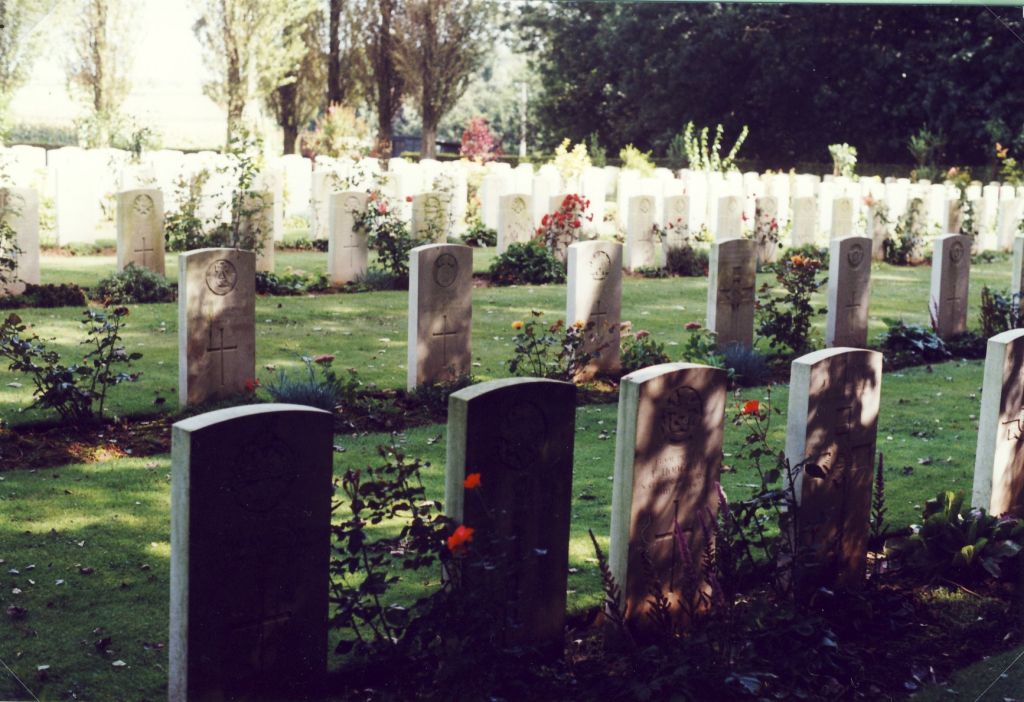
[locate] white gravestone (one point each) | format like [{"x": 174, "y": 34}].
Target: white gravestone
[
  {"x": 594, "y": 294},
  {"x": 515, "y": 221},
  {"x": 999, "y": 462},
  {"x": 19, "y": 209},
  {"x": 347, "y": 250},
  {"x": 140, "y": 230},
  {"x": 950, "y": 280},
  {"x": 732, "y": 278},
  {"x": 640, "y": 250},
  {"x": 849, "y": 291}
]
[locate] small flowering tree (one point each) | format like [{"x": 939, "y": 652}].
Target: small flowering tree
[
  {"x": 561, "y": 228},
  {"x": 786, "y": 321},
  {"x": 387, "y": 234},
  {"x": 478, "y": 142}
]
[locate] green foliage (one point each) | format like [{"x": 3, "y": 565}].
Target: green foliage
[
  {"x": 1010, "y": 171},
  {"x": 571, "y": 162},
  {"x": 184, "y": 229},
  {"x": 640, "y": 350},
  {"x": 480, "y": 235},
  {"x": 339, "y": 132},
  {"x": 318, "y": 386},
  {"x": 652, "y": 272},
  {"x": 561, "y": 228},
  {"x": 47, "y": 296},
  {"x": 290, "y": 283},
  {"x": 434, "y": 396},
  {"x": 598, "y": 154},
  {"x": 636, "y": 160},
  {"x": 134, "y": 284},
  {"x": 925, "y": 147},
  {"x": 957, "y": 542},
  {"x": 748, "y": 366},
  {"x": 818, "y": 253},
  {"x": 699, "y": 346},
  {"x": 704, "y": 157},
  {"x": 904, "y": 247},
  {"x": 844, "y": 159},
  {"x": 555, "y": 351},
  {"x": 910, "y": 344},
  {"x": 387, "y": 235},
  {"x": 999, "y": 311},
  {"x": 786, "y": 321},
  {"x": 304, "y": 243},
  {"x": 9, "y": 249},
  {"x": 968, "y": 344},
  {"x": 686, "y": 261},
  {"x": 526, "y": 263},
  {"x": 77, "y": 392}
]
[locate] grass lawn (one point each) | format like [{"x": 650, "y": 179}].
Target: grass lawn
[{"x": 113, "y": 517}]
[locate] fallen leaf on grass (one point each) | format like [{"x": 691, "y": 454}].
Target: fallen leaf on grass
[{"x": 119, "y": 663}]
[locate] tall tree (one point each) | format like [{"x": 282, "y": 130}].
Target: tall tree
[
  {"x": 248, "y": 50},
  {"x": 19, "y": 46},
  {"x": 101, "y": 58},
  {"x": 442, "y": 44},
  {"x": 300, "y": 96},
  {"x": 375, "y": 27},
  {"x": 334, "y": 53}
]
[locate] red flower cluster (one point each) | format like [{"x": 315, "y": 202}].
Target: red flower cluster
[
  {"x": 752, "y": 407},
  {"x": 459, "y": 538},
  {"x": 472, "y": 481},
  {"x": 251, "y": 384}
]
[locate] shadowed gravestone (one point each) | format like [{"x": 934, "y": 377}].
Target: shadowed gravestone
[
  {"x": 732, "y": 277},
  {"x": 140, "y": 230},
  {"x": 216, "y": 324},
  {"x": 831, "y": 424},
  {"x": 951, "y": 270},
  {"x": 668, "y": 456},
  {"x": 594, "y": 293},
  {"x": 250, "y": 547},
  {"x": 347, "y": 251},
  {"x": 440, "y": 313},
  {"x": 999, "y": 462},
  {"x": 517, "y": 434}
]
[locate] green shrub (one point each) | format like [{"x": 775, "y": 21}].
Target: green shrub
[
  {"x": 319, "y": 386},
  {"x": 304, "y": 243},
  {"x": 76, "y": 392},
  {"x": 652, "y": 272},
  {"x": 819, "y": 253},
  {"x": 640, "y": 350},
  {"x": 134, "y": 284},
  {"x": 479, "y": 235},
  {"x": 968, "y": 344},
  {"x": 911, "y": 344},
  {"x": 47, "y": 295},
  {"x": 748, "y": 366},
  {"x": 700, "y": 346},
  {"x": 686, "y": 261},
  {"x": 527, "y": 263},
  {"x": 999, "y": 311},
  {"x": 387, "y": 235},
  {"x": 290, "y": 283},
  {"x": 375, "y": 279},
  {"x": 905, "y": 246},
  {"x": 554, "y": 352},
  {"x": 786, "y": 321}
]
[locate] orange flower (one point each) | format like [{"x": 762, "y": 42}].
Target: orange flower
[
  {"x": 797, "y": 260},
  {"x": 472, "y": 481},
  {"x": 752, "y": 407},
  {"x": 460, "y": 537},
  {"x": 517, "y": 325}
]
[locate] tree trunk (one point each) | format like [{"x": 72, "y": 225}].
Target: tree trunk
[
  {"x": 333, "y": 55},
  {"x": 428, "y": 145},
  {"x": 287, "y": 96}
]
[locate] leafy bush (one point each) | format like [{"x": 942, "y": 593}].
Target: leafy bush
[
  {"x": 640, "y": 350},
  {"x": 134, "y": 284},
  {"x": 388, "y": 235},
  {"x": 478, "y": 142},
  {"x": 47, "y": 295},
  {"x": 76, "y": 392},
  {"x": 571, "y": 163},
  {"x": 562, "y": 227},
  {"x": 910, "y": 344},
  {"x": 652, "y": 272},
  {"x": 686, "y": 261},
  {"x": 338, "y": 132},
  {"x": 955, "y": 541},
  {"x": 701, "y": 157},
  {"x": 526, "y": 263},
  {"x": 598, "y": 154},
  {"x": 786, "y": 321},
  {"x": 699, "y": 346},
  {"x": 9, "y": 250},
  {"x": 748, "y": 366},
  {"x": 480, "y": 235},
  {"x": 375, "y": 279},
  {"x": 434, "y": 396},
  {"x": 999, "y": 311},
  {"x": 819, "y": 253},
  {"x": 290, "y": 283},
  {"x": 844, "y": 159},
  {"x": 319, "y": 386},
  {"x": 555, "y": 352},
  {"x": 636, "y": 160},
  {"x": 905, "y": 245},
  {"x": 304, "y": 243},
  {"x": 968, "y": 344}
]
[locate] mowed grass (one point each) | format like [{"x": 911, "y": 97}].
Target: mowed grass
[{"x": 114, "y": 517}]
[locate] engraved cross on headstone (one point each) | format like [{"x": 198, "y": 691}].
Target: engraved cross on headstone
[
  {"x": 670, "y": 535},
  {"x": 219, "y": 349},
  {"x": 143, "y": 250},
  {"x": 599, "y": 316},
  {"x": 735, "y": 291},
  {"x": 444, "y": 334}
]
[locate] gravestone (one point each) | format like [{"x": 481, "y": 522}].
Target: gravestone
[
  {"x": 216, "y": 324},
  {"x": 849, "y": 291},
  {"x": 842, "y": 217},
  {"x": 640, "y": 251},
  {"x": 430, "y": 217},
  {"x": 668, "y": 457},
  {"x": 730, "y": 218},
  {"x": 676, "y": 221},
  {"x": 594, "y": 294},
  {"x": 440, "y": 313},
  {"x": 515, "y": 221},
  {"x": 732, "y": 278},
  {"x": 517, "y": 433},
  {"x": 831, "y": 425},
  {"x": 879, "y": 226},
  {"x": 140, "y": 230},
  {"x": 766, "y": 229},
  {"x": 999, "y": 461},
  {"x": 951, "y": 269},
  {"x": 250, "y": 550},
  {"x": 1017, "y": 274},
  {"x": 19, "y": 209},
  {"x": 805, "y": 221},
  {"x": 347, "y": 250},
  {"x": 256, "y": 227}
]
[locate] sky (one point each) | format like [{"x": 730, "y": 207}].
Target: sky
[{"x": 166, "y": 76}]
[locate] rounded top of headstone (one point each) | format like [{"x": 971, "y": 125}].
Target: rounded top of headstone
[
  {"x": 815, "y": 357},
  {"x": 208, "y": 419},
  {"x": 478, "y": 389},
  {"x": 643, "y": 375}
]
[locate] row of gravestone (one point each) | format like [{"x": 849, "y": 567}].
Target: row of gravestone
[{"x": 217, "y": 307}]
